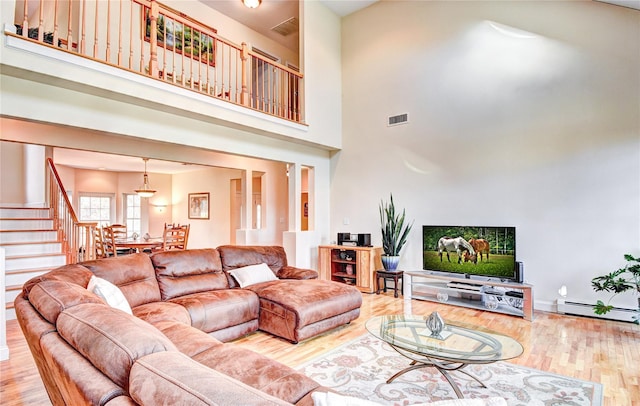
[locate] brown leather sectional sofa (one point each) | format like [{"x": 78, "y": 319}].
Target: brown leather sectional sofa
[{"x": 185, "y": 305}]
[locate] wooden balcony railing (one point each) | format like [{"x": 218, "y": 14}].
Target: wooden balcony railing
[
  {"x": 151, "y": 39},
  {"x": 76, "y": 237}
]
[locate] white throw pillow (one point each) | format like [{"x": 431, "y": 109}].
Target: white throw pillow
[
  {"x": 252, "y": 274},
  {"x": 334, "y": 399},
  {"x": 110, "y": 293}
]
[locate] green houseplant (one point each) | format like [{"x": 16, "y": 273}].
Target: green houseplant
[
  {"x": 395, "y": 231},
  {"x": 620, "y": 281}
]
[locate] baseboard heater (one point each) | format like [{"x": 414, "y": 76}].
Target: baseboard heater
[{"x": 585, "y": 309}]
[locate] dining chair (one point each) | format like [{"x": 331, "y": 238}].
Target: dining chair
[
  {"x": 98, "y": 243},
  {"x": 119, "y": 232},
  {"x": 175, "y": 237},
  {"x": 104, "y": 238}
]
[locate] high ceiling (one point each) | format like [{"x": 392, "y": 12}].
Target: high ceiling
[
  {"x": 116, "y": 163},
  {"x": 272, "y": 13}
]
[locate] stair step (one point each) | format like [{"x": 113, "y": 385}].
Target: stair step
[
  {"x": 24, "y": 212},
  {"x": 25, "y": 224},
  {"x": 19, "y": 277},
  {"x": 10, "y": 296},
  {"x": 14, "y": 263},
  {"x": 32, "y": 248},
  {"x": 7, "y": 237}
]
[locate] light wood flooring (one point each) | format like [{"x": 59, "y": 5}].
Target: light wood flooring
[{"x": 596, "y": 350}]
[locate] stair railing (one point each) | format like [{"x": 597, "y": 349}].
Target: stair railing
[{"x": 76, "y": 236}]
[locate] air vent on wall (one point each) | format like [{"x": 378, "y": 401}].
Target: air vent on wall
[
  {"x": 287, "y": 27},
  {"x": 399, "y": 119}
]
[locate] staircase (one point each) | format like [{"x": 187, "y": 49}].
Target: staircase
[{"x": 30, "y": 244}]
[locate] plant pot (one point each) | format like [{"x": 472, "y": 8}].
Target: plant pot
[{"x": 390, "y": 262}]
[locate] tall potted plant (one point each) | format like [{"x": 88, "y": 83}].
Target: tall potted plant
[
  {"x": 620, "y": 281},
  {"x": 394, "y": 233}
]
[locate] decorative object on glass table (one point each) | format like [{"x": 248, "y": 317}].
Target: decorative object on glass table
[{"x": 435, "y": 323}]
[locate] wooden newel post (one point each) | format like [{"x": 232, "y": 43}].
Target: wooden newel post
[
  {"x": 244, "y": 56},
  {"x": 153, "y": 39}
]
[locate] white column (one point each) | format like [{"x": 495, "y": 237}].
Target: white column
[{"x": 295, "y": 190}]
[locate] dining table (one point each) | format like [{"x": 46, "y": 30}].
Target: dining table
[{"x": 139, "y": 244}]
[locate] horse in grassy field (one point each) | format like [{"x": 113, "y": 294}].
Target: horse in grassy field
[
  {"x": 458, "y": 244},
  {"x": 481, "y": 246}
]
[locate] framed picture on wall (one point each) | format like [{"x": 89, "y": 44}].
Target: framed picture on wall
[{"x": 199, "y": 206}]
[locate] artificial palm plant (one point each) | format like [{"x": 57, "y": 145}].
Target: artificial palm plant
[
  {"x": 620, "y": 281},
  {"x": 394, "y": 232}
]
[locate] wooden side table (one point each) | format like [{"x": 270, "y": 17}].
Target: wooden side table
[{"x": 384, "y": 274}]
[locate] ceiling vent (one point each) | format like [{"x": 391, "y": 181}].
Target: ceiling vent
[
  {"x": 399, "y": 119},
  {"x": 287, "y": 27}
]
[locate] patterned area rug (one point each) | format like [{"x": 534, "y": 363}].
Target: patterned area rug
[{"x": 360, "y": 368}]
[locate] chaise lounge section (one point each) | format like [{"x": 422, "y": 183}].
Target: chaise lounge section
[{"x": 299, "y": 306}]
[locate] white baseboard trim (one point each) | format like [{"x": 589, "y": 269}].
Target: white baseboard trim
[
  {"x": 4, "y": 353},
  {"x": 585, "y": 309}
]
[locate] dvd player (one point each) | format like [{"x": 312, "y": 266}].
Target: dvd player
[{"x": 465, "y": 286}]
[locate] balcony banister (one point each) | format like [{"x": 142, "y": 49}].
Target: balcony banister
[{"x": 167, "y": 45}]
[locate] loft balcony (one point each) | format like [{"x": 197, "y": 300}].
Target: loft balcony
[{"x": 148, "y": 38}]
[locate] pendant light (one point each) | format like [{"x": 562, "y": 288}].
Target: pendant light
[
  {"x": 251, "y": 3},
  {"x": 145, "y": 190}
]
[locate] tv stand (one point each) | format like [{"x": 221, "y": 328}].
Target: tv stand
[{"x": 511, "y": 298}]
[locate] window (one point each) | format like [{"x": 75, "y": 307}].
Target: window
[
  {"x": 97, "y": 207},
  {"x": 132, "y": 213}
]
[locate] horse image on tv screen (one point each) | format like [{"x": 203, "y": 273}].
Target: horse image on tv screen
[{"x": 483, "y": 251}]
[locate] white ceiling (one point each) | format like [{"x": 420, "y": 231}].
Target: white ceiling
[
  {"x": 269, "y": 14},
  {"x": 116, "y": 163},
  {"x": 273, "y": 12},
  {"x": 624, "y": 3}
]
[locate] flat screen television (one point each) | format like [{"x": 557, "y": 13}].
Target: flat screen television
[{"x": 468, "y": 250}]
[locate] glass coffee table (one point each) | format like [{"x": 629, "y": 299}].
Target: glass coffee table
[{"x": 455, "y": 347}]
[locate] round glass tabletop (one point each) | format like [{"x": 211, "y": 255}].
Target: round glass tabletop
[{"x": 456, "y": 342}]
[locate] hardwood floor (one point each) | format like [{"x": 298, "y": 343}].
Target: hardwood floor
[{"x": 596, "y": 350}]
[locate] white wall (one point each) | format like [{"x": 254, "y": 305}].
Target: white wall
[
  {"x": 520, "y": 113},
  {"x": 216, "y": 181},
  {"x": 12, "y": 174}
]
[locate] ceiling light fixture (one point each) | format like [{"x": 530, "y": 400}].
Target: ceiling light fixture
[
  {"x": 251, "y": 3},
  {"x": 145, "y": 190}
]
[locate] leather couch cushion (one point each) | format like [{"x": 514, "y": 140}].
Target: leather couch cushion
[
  {"x": 80, "y": 382},
  {"x": 175, "y": 379},
  {"x": 258, "y": 371},
  {"x": 51, "y": 297},
  {"x": 183, "y": 272},
  {"x": 311, "y": 300},
  {"x": 217, "y": 309},
  {"x": 189, "y": 341},
  {"x": 162, "y": 311},
  {"x": 133, "y": 274},
  {"x": 76, "y": 274},
  {"x": 110, "y": 339},
  {"x": 237, "y": 256}
]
